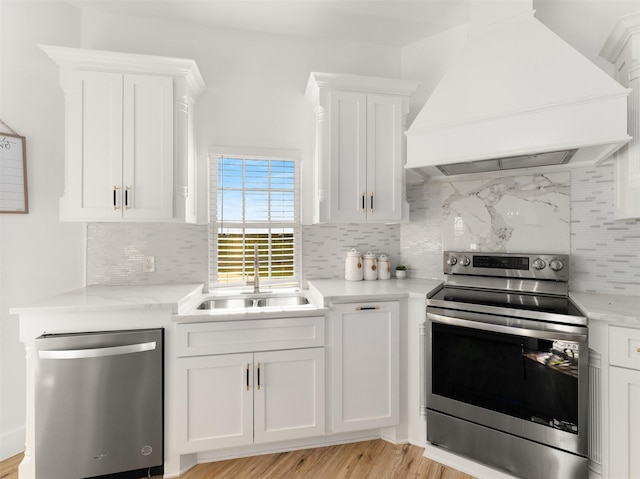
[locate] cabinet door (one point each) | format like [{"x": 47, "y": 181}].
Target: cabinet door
[
  {"x": 384, "y": 158},
  {"x": 348, "y": 163},
  {"x": 624, "y": 423},
  {"x": 94, "y": 145},
  {"x": 147, "y": 180},
  {"x": 215, "y": 402},
  {"x": 365, "y": 366},
  {"x": 288, "y": 394}
]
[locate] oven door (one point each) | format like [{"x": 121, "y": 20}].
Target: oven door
[{"x": 522, "y": 377}]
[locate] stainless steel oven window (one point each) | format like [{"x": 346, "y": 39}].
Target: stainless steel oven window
[{"x": 529, "y": 378}]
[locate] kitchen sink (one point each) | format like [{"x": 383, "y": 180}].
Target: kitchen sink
[{"x": 281, "y": 301}]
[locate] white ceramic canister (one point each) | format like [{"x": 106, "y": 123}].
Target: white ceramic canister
[
  {"x": 353, "y": 270},
  {"x": 370, "y": 265},
  {"x": 384, "y": 267}
]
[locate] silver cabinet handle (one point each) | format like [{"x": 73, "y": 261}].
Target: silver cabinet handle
[{"x": 96, "y": 353}]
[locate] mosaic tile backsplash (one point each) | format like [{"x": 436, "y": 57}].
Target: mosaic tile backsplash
[
  {"x": 605, "y": 254},
  {"x": 115, "y": 253},
  {"x": 577, "y": 204},
  {"x": 325, "y": 247}
]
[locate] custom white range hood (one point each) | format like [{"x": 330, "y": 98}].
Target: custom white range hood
[{"x": 518, "y": 96}]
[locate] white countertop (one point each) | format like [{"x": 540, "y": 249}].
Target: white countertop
[
  {"x": 337, "y": 290},
  {"x": 176, "y": 297},
  {"x": 182, "y": 298},
  {"x": 609, "y": 307}
]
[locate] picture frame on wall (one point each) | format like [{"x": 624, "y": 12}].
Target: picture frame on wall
[{"x": 13, "y": 174}]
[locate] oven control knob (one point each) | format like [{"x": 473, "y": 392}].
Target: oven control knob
[
  {"x": 539, "y": 263},
  {"x": 556, "y": 264},
  {"x": 451, "y": 260},
  {"x": 465, "y": 261}
]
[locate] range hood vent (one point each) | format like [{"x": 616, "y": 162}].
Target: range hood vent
[
  {"x": 511, "y": 163},
  {"x": 517, "y": 96}
]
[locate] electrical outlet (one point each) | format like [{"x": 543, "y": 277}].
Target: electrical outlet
[{"x": 149, "y": 264}]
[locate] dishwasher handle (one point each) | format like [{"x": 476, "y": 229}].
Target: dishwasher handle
[{"x": 97, "y": 352}]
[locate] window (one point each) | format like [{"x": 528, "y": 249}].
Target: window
[{"x": 255, "y": 201}]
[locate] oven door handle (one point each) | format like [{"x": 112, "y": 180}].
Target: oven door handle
[{"x": 500, "y": 328}]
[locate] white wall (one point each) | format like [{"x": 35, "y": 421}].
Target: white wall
[
  {"x": 39, "y": 256},
  {"x": 568, "y": 20},
  {"x": 426, "y": 61}
]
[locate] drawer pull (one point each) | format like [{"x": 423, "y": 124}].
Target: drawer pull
[{"x": 366, "y": 308}]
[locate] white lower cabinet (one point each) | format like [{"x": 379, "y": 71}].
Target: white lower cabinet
[
  {"x": 365, "y": 366},
  {"x": 229, "y": 400},
  {"x": 624, "y": 423},
  {"x": 288, "y": 394},
  {"x": 624, "y": 403},
  {"x": 217, "y": 406}
]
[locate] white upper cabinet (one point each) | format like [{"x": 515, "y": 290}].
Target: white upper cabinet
[
  {"x": 622, "y": 48},
  {"x": 360, "y": 152},
  {"x": 130, "y": 136}
]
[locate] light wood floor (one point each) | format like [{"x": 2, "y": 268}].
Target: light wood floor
[{"x": 362, "y": 460}]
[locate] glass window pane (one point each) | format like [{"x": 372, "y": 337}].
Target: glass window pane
[
  {"x": 257, "y": 206},
  {"x": 229, "y": 205},
  {"x": 230, "y": 173},
  {"x": 255, "y": 191}
]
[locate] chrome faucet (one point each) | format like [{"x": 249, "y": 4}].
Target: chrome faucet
[{"x": 256, "y": 271}]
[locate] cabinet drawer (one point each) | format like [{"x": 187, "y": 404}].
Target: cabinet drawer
[
  {"x": 196, "y": 339},
  {"x": 624, "y": 345}
]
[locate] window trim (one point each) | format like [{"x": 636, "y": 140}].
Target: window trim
[{"x": 218, "y": 152}]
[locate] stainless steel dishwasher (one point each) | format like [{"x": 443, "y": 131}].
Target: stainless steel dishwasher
[{"x": 99, "y": 405}]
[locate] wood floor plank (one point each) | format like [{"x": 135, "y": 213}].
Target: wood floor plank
[
  {"x": 376, "y": 459},
  {"x": 9, "y": 467}
]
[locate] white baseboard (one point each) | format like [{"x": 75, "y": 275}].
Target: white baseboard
[
  {"x": 285, "y": 446},
  {"x": 11, "y": 443}
]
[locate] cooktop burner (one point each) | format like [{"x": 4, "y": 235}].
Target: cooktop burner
[{"x": 531, "y": 286}]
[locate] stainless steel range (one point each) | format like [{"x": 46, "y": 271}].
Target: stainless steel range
[{"x": 506, "y": 378}]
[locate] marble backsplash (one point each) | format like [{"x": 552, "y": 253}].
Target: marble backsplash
[{"x": 510, "y": 214}]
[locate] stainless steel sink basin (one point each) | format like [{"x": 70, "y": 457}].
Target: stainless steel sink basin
[
  {"x": 228, "y": 303},
  {"x": 297, "y": 300},
  {"x": 282, "y": 301}
]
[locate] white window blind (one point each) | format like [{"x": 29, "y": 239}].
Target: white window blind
[{"x": 256, "y": 201}]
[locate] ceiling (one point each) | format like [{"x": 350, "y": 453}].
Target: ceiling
[{"x": 383, "y": 22}]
